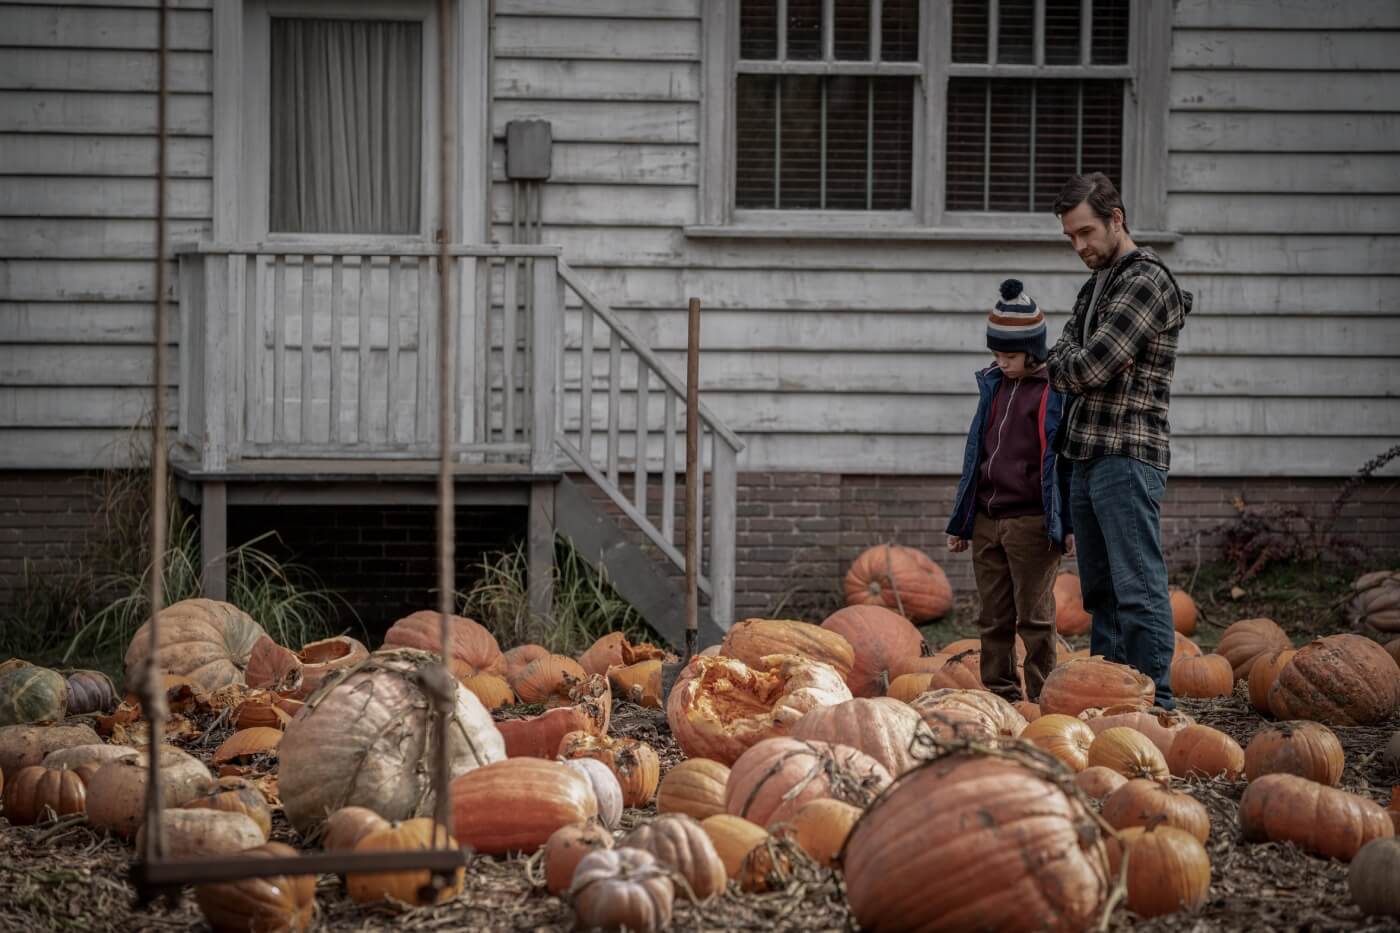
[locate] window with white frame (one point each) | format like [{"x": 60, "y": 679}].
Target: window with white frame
[{"x": 962, "y": 113}]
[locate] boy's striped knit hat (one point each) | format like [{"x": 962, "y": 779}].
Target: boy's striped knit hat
[{"x": 1016, "y": 324}]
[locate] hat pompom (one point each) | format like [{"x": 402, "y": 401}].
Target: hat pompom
[{"x": 1010, "y": 289}]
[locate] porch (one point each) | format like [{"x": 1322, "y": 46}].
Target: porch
[{"x": 309, "y": 374}]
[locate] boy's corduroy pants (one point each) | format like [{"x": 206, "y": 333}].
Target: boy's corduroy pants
[{"x": 1015, "y": 566}]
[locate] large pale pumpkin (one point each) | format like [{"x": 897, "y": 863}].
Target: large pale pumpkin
[
  {"x": 1085, "y": 683},
  {"x": 367, "y": 738},
  {"x": 1341, "y": 680},
  {"x": 207, "y": 641},
  {"x": 976, "y": 843},
  {"x": 205, "y": 832},
  {"x": 900, "y": 578},
  {"x": 517, "y": 804},
  {"x": 772, "y": 780},
  {"x": 32, "y": 694},
  {"x": 25, "y": 745},
  {"x": 1375, "y": 605},
  {"x": 1320, "y": 819},
  {"x": 879, "y": 638},
  {"x": 116, "y": 793},
  {"x": 883, "y": 728},
  {"x": 752, "y": 640},
  {"x": 1001, "y": 717},
  {"x": 721, "y": 706},
  {"x": 1249, "y": 639},
  {"x": 472, "y": 644}
]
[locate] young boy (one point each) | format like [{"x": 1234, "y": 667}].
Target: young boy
[{"x": 1010, "y": 504}]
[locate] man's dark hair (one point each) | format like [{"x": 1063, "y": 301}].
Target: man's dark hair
[{"x": 1094, "y": 188}]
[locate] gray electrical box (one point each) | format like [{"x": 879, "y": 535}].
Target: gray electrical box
[{"x": 529, "y": 145}]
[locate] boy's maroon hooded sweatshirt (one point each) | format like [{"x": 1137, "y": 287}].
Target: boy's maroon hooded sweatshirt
[{"x": 1009, "y": 480}]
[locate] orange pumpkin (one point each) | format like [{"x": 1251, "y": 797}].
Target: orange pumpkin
[
  {"x": 1186, "y": 648},
  {"x": 638, "y": 683},
  {"x": 614, "y": 650},
  {"x": 1203, "y": 752},
  {"x": 1341, "y": 680},
  {"x": 1000, "y": 717},
  {"x": 906, "y": 687},
  {"x": 1168, "y": 870},
  {"x": 879, "y": 637},
  {"x": 1320, "y": 819},
  {"x": 549, "y": 680},
  {"x": 1098, "y": 782},
  {"x": 900, "y": 578},
  {"x": 734, "y": 838},
  {"x": 635, "y": 763},
  {"x": 347, "y": 826},
  {"x": 471, "y": 643},
  {"x": 1146, "y": 803},
  {"x": 272, "y": 667},
  {"x": 752, "y": 640},
  {"x": 1159, "y": 725},
  {"x": 1262, "y": 675},
  {"x": 321, "y": 659},
  {"x": 1128, "y": 752},
  {"x": 1071, "y": 618},
  {"x": 1029, "y": 711},
  {"x": 517, "y": 804},
  {"x": 35, "y": 790},
  {"x": 820, "y": 828},
  {"x": 1094, "y": 682},
  {"x": 566, "y": 847},
  {"x": 1248, "y": 639},
  {"x": 775, "y": 777},
  {"x": 1183, "y": 612},
  {"x": 1307, "y": 749},
  {"x": 491, "y": 689},
  {"x": 1203, "y": 677},
  {"x": 694, "y": 787},
  {"x": 413, "y": 886},
  {"x": 1065, "y": 737},
  {"x": 236, "y": 795},
  {"x": 589, "y": 710},
  {"x": 260, "y": 710},
  {"x": 520, "y": 656},
  {"x": 276, "y": 902}
]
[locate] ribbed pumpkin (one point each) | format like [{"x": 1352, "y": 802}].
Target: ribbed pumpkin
[
  {"x": 734, "y": 838},
  {"x": 1186, "y": 648},
  {"x": 1375, "y": 606},
  {"x": 883, "y": 728},
  {"x": 1065, "y": 737},
  {"x": 566, "y": 847},
  {"x": 1262, "y": 676},
  {"x": 1098, "y": 782},
  {"x": 1128, "y": 752},
  {"x": 1248, "y": 639},
  {"x": 1203, "y": 677},
  {"x": 622, "y": 889},
  {"x": 472, "y": 644},
  {"x": 347, "y": 826},
  {"x": 589, "y": 710},
  {"x": 207, "y": 641},
  {"x": 90, "y": 692},
  {"x": 1183, "y": 612},
  {"x": 1001, "y": 717},
  {"x": 900, "y": 578},
  {"x": 236, "y": 795},
  {"x": 1204, "y": 752},
  {"x": 1307, "y": 749},
  {"x": 606, "y": 788},
  {"x": 491, "y": 689},
  {"x": 638, "y": 683},
  {"x": 721, "y": 706},
  {"x": 1147, "y": 803},
  {"x": 983, "y": 841},
  {"x": 634, "y": 762},
  {"x": 752, "y": 640},
  {"x": 516, "y": 804},
  {"x": 276, "y": 902},
  {"x": 1160, "y": 725},
  {"x": 1071, "y": 618},
  {"x": 1320, "y": 819},
  {"x": 32, "y": 694},
  {"x": 1081, "y": 684},
  {"x": 1341, "y": 680},
  {"x": 412, "y": 886},
  {"x": 681, "y": 843},
  {"x": 820, "y": 828},
  {"x": 879, "y": 637},
  {"x": 694, "y": 787},
  {"x": 549, "y": 680},
  {"x": 321, "y": 659},
  {"x": 25, "y": 745},
  {"x": 31, "y": 791},
  {"x": 364, "y": 739},
  {"x": 1168, "y": 870},
  {"x": 775, "y": 777},
  {"x": 614, "y": 650},
  {"x": 273, "y": 667}
]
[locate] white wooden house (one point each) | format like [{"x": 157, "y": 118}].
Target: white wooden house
[{"x": 842, "y": 183}]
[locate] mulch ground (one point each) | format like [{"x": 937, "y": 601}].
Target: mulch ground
[{"x": 65, "y": 876}]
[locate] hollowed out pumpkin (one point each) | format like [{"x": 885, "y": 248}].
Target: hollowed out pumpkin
[
  {"x": 638, "y": 683},
  {"x": 752, "y": 640},
  {"x": 321, "y": 659},
  {"x": 589, "y": 710},
  {"x": 900, "y": 578},
  {"x": 273, "y": 667},
  {"x": 614, "y": 650}
]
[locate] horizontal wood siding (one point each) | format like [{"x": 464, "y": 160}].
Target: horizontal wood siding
[
  {"x": 858, "y": 355},
  {"x": 78, "y": 86}
]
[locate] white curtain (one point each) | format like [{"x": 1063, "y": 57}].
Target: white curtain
[{"x": 347, "y": 112}]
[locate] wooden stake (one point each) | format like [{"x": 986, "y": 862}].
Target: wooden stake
[{"x": 692, "y": 481}]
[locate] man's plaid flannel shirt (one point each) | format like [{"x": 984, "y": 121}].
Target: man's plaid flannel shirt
[{"x": 1119, "y": 381}]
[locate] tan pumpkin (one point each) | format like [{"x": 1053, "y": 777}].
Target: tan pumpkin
[
  {"x": 725, "y": 707},
  {"x": 1320, "y": 819},
  {"x": 1371, "y": 878},
  {"x": 207, "y": 641},
  {"x": 635, "y": 763},
  {"x": 566, "y": 847},
  {"x": 1375, "y": 605},
  {"x": 878, "y": 637},
  {"x": 622, "y": 889},
  {"x": 1262, "y": 675},
  {"x": 734, "y": 838},
  {"x": 752, "y": 640},
  {"x": 1204, "y": 752},
  {"x": 1307, "y": 749},
  {"x": 471, "y": 643},
  {"x": 1029, "y": 711},
  {"x": 1128, "y": 752},
  {"x": 344, "y": 828},
  {"x": 1071, "y": 618},
  {"x": 1085, "y": 683},
  {"x": 883, "y": 728},
  {"x": 820, "y": 828},
  {"x": 363, "y": 738},
  {"x": 275, "y": 902},
  {"x": 1247, "y": 640},
  {"x": 776, "y": 776},
  {"x": 189, "y": 833},
  {"x": 517, "y": 804},
  {"x": 694, "y": 787},
  {"x": 1098, "y": 782},
  {"x": 960, "y": 670},
  {"x": 320, "y": 659},
  {"x": 1065, "y": 737},
  {"x": 116, "y": 793},
  {"x": 638, "y": 683},
  {"x": 589, "y": 709},
  {"x": 614, "y": 650},
  {"x": 413, "y": 886},
  {"x": 900, "y": 578},
  {"x": 273, "y": 667},
  {"x": 236, "y": 795},
  {"x": 1147, "y": 803},
  {"x": 1183, "y": 612},
  {"x": 1160, "y": 725},
  {"x": 33, "y": 791},
  {"x": 1168, "y": 870},
  {"x": 26, "y": 744},
  {"x": 1340, "y": 680},
  {"x": 79, "y": 756},
  {"x": 1204, "y": 677},
  {"x": 680, "y": 843}
]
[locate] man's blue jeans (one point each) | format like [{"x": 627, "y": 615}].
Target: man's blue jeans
[{"x": 1117, "y": 503}]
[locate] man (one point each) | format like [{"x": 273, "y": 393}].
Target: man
[{"x": 1115, "y": 359}]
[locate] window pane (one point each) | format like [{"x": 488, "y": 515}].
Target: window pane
[
  {"x": 346, "y": 136},
  {"x": 755, "y": 123},
  {"x": 967, "y": 139},
  {"x": 899, "y": 30},
  {"x": 800, "y": 147},
  {"x": 804, "y": 29},
  {"x": 893, "y": 160},
  {"x": 1010, "y": 166},
  {"x": 852, "y": 21},
  {"x": 1110, "y": 32},
  {"x": 1056, "y": 138},
  {"x": 758, "y": 29},
  {"x": 1016, "y": 32},
  {"x": 847, "y": 131},
  {"x": 1103, "y": 128},
  {"x": 1062, "y": 32},
  {"x": 970, "y": 31}
]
